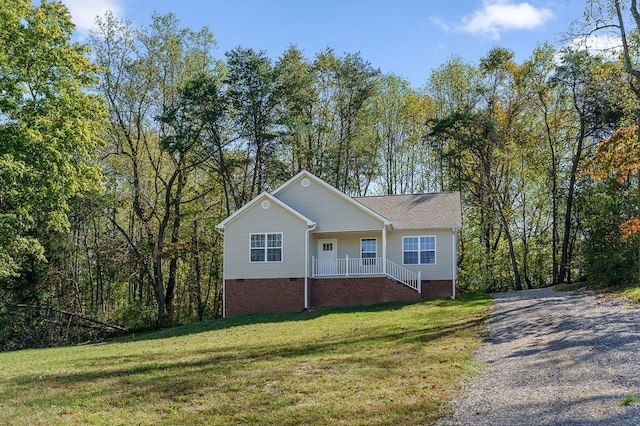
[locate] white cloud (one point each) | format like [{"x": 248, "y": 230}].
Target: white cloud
[
  {"x": 498, "y": 16},
  {"x": 605, "y": 44},
  {"x": 84, "y": 12},
  {"x": 441, "y": 23}
]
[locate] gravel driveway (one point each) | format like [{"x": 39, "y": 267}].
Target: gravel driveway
[{"x": 555, "y": 358}]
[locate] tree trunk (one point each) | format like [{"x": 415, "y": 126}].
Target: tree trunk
[
  {"x": 159, "y": 288},
  {"x": 512, "y": 252},
  {"x": 197, "y": 270},
  {"x": 525, "y": 245},
  {"x": 554, "y": 195},
  {"x": 564, "y": 260},
  {"x": 175, "y": 239},
  {"x": 514, "y": 261}
]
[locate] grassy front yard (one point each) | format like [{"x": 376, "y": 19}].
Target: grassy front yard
[{"x": 388, "y": 364}]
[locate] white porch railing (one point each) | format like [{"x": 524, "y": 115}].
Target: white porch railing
[
  {"x": 362, "y": 267},
  {"x": 404, "y": 275}
]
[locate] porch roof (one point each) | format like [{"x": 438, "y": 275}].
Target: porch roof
[{"x": 417, "y": 211}]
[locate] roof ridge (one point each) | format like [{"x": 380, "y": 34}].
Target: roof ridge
[
  {"x": 417, "y": 211},
  {"x": 406, "y": 195}
]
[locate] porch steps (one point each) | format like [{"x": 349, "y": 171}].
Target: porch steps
[{"x": 403, "y": 275}]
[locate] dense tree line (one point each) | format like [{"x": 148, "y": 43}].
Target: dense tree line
[{"x": 115, "y": 170}]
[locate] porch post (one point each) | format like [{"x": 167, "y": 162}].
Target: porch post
[
  {"x": 306, "y": 269},
  {"x": 346, "y": 264},
  {"x": 384, "y": 249},
  {"x": 306, "y": 265}
]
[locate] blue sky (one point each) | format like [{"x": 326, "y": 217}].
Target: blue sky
[{"x": 407, "y": 37}]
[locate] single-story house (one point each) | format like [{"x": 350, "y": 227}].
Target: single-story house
[{"x": 307, "y": 245}]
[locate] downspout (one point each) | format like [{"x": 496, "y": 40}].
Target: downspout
[
  {"x": 454, "y": 243},
  {"x": 384, "y": 250},
  {"x": 306, "y": 266}
]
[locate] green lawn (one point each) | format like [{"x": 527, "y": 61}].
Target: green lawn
[{"x": 387, "y": 364}]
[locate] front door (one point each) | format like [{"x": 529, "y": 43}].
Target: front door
[{"x": 327, "y": 256}]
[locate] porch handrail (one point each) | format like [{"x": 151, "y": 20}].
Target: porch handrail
[
  {"x": 404, "y": 275},
  {"x": 358, "y": 266}
]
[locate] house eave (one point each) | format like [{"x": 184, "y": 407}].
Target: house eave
[
  {"x": 417, "y": 228},
  {"x": 253, "y": 202},
  {"x": 341, "y": 194}
]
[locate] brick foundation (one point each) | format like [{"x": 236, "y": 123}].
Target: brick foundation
[
  {"x": 287, "y": 294},
  {"x": 264, "y": 295},
  {"x": 437, "y": 289},
  {"x": 332, "y": 292}
]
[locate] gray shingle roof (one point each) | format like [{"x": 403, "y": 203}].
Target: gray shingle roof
[{"x": 415, "y": 211}]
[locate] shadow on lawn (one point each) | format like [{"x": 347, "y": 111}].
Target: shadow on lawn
[
  {"x": 279, "y": 377},
  {"x": 279, "y": 317},
  {"x": 153, "y": 373}
]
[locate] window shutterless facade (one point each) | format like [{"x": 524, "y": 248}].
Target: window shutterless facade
[
  {"x": 368, "y": 250},
  {"x": 419, "y": 250},
  {"x": 265, "y": 247}
]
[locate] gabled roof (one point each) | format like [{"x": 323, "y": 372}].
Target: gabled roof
[
  {"x": 332, "y": 189},
  {"x": 262, "y": 197},
  {"x": 415, "y": 211},
  {"x": 412, "y": 211}
]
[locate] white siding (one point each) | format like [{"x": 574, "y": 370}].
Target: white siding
[
  {"x": 442, "y": 269},
  {"x": 259, "y": 220},
  {"x": 349, "y": 243},
  {"x": 330, "y": 211}
]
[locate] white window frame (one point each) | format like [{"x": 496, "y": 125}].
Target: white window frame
[
  {"x": 266, "y": 247},
  {"x": 368, "y": 261},
  {"x": 419, "y": 237}
]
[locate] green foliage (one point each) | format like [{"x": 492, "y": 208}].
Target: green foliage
[
  {"x": 190, "y": 139},
  {"x": 15, "y": 220},
  {"x": 454, "y": 87},
  {"x": 409, "y": 164},
  {"x": 628, "y": 400},
  {"x": 251, "y": 91},
  {"x": 633, "y": 294},
  {"x": 48, "y": 127},
  {"x": 164, "y": 130},
  {"x": 135, "y": 316},
  {"x": 605, "y": 258}
]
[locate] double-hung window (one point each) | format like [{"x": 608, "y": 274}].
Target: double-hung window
[
  {"x": 419, "y": 250},
  {"x": 266, "y": 247},
  {"x": 368, "y": 251}
]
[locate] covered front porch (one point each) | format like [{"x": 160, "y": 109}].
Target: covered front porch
[
  {"x": 365, "y": 267},
  {"x": 357, "y": 255}
]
